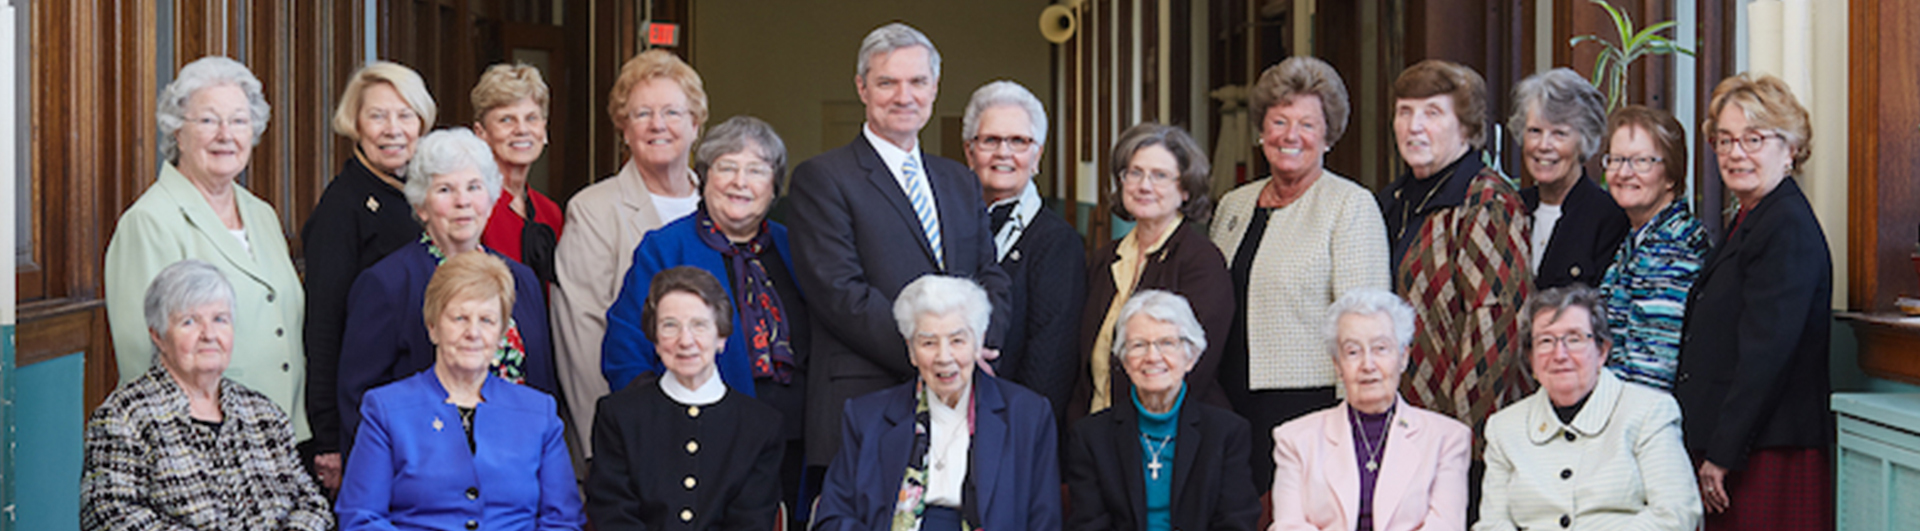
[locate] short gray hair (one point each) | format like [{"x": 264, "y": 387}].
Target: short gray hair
[
  {"x": 1558, "y": 300},
  {"x": 738, "y": 134},
  {"x": 1006, "y": 93},
  {"x": 1564, "y": 98},
  {"x": 895, "y": 36},
  {"x": 1164, "y": 306},
  {"x": 209, "y": 71},
  {"x": 181, "y": 287},
  {"x": 1365, "y": 302},
  {"x": 447, "y": 151},
  {"x": 943, "y": 295}
]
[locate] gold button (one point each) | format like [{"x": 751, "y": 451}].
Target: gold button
[
  {"x": 689, "y": 482},
  {"x": 693, "y": 447},
  {"x": 686, "y": 515},
  {"x": 693, "y": 411}
]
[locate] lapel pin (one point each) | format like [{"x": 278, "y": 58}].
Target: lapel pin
[
  {"x": 373, "y": 205},
  {"x": 437, "y": 424}
]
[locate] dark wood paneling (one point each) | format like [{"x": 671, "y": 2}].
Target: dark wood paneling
[{"x": 1883, "y": 152}]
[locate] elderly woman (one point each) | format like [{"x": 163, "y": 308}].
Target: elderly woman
[
  {"x": 730, "y": 238},
  {"x": 1576, "y": 227},
  {"x": 510, "y": 113},
  {"x": 1294, "y": 242},
  {"x": 953, "y": 449},
  {"x": 1374, "y": 462},
  {"x": 639, "y": 480},
  {"x": 1645, "y": 290},
  {"x": 179, "y": 446},
  {"x": 1587, "y": 450},
  {"x": 1753, "y": 367},
  {"x": 362, "y": 217},
  {"x": 1160, "y": 180},
  {"x": 1454, "y": 221},
  {"x": 452, "y": 190},
  {"x": 1044, "y": 256},
  {"x": 658, "y": 104},
  {"x": 210, "y": 117},
  {"x": 1123, "y": 463},
  {"x": 418, "y": 464}
]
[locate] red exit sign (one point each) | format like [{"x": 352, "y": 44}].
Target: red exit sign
[{"x": 663, "y": 34}]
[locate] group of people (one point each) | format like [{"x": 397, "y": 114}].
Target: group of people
[{"x": 926, "y": 345}]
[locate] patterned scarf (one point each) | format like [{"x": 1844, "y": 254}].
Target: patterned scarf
[
  {"x": 510, "y": 363},
  {"x": 907, "y": 509},
  {"x": 761, "y": 313}
]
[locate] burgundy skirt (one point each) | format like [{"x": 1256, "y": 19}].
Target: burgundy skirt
[{"x": 1781, "y": 488}]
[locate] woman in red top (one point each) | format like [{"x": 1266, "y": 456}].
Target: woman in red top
[{"x": 510, "y": 113}]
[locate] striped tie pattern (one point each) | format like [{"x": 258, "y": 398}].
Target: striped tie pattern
[{"x": 923, "y": 206}]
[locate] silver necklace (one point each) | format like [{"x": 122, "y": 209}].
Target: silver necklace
[
  {"x": 1373, "y": 450},
  {"x": 1153, "y": 461}
]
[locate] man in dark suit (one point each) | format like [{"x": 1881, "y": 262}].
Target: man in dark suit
[
  {"x": 1005, "y": 128},
  {"x": 870, "y": 217}
]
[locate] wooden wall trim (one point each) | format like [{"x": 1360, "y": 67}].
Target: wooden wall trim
[{"x": 1863, "y": 212}]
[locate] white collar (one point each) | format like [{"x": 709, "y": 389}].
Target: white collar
[
  {"x": 707, "y": 394},
  {"x": 1026, "y": 206},
  {"x": 891, "y": 154}
]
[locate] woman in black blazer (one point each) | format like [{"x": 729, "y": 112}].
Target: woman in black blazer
[
  {"x": 1162, "y": 187},
  {"x": 1560, "y": 120},
  {"x": 1154, "y": 460},
  {"x": 1753, "y": 355}
]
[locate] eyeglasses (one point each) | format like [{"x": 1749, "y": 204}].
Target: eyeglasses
[
  {"x": 1572, "y": 342},
  {"x": 669, "y": 114},
  {"x": 756, "y": 171},
  {"x": 1165, "y": 346},
  {"x": 1641, "y": 164},
  {"x": 989, "y": 144},
  {"x": 210, "y": 123},
  {"x": 1135, "y": 174},
  {"x": 671, "y": 328},
  {"x": 1750, "y": 143}
]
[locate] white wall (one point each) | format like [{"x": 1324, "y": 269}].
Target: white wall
[
  {"x": 792, "y": 63},
  {"x": 1822, "y": 89}
]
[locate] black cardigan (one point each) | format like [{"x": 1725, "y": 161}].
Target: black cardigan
[
  {"x": 360, "y": 219},
  {"x": 1212, "y": 486},
  {"x": 1590, "y": 229}
]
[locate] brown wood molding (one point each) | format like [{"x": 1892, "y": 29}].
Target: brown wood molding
[
  {"x": 1888, "y": 345},
  {"x": 1863, "y": 211},
  {"x": 52, "y": 329}
]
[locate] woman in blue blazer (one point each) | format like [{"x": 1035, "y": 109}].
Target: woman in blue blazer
[
  {"x": 953, "y": 449},
  {"x": 456, "y": 446}
]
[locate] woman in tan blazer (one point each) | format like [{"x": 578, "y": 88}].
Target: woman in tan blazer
[{"x": 658, "y": 104}]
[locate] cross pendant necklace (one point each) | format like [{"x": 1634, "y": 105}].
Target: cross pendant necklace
[
  {"x": 1373, "y": 450},
  {"x": 1153, "y": 461}
]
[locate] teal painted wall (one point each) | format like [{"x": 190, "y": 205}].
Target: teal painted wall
[
  {"x": 48, "y": 425},
  {"x": 6, "y": 426}
]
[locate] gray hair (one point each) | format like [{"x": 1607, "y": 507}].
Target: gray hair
[
  {"x": 739, "y": 134},
  {"x": 181, "y": 287},
  {"x": 1558, "y": 300},
  {"x": 1006, "y": 93},
  {"x": 1162, "y": 306},
  {"x": 943, "y": 295},
  {"x": 209, "y": 71},
  {"x": 895, "y": 36},
  {"x": 1367, "y": 302},
  {"x": 447, "y": 151},
  {"x": 1561, "y": 97}
]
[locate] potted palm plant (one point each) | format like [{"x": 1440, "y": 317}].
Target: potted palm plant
[{"x": 1610, "y": 68}]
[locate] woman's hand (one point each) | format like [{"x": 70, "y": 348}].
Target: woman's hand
[
  {"x": 329, "y": 469},
  {"x": 1713, "y": 487}
]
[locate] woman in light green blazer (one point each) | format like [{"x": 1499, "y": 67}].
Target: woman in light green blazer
[{"x": 209, "y": 118}]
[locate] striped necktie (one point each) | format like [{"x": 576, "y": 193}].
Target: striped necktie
[{"x": 923, "y": 206}]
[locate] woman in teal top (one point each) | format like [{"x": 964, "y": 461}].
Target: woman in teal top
[
  {"x": 1645, "y": 290},
  {"x": 1184, "y": 463}
]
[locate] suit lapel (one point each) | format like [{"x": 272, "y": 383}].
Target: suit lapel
[
  {"x": 1191, "y": 439},
  {"x": 1126, "y": 445},
  {"x": 200, "y": 216},
  {"x": 1343, "y": 473},
  {"x": 989, "y": 439},
  {"x": 637, "y": 200},
  {"x": 881, "y": 178},
  {"x": 896, "y": 445},
  {"x": 1396, "y": 467}
]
